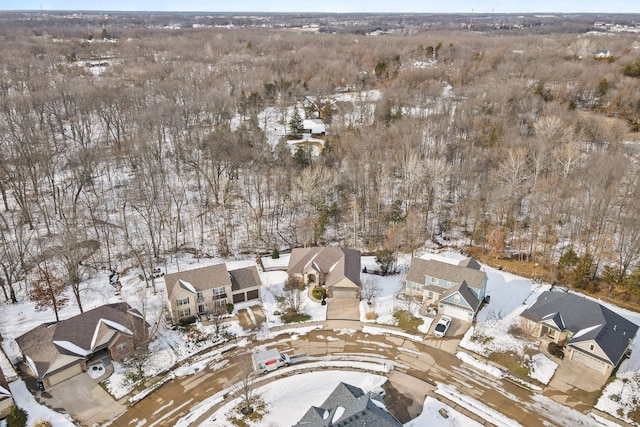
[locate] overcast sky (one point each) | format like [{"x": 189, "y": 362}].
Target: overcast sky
[{"x": 338, "y": 6}]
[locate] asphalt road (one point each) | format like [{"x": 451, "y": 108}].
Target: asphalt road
[{"x": 417, "y": 367}]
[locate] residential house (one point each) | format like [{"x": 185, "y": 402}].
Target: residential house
[
  {"x": 601, "y": 54},
  {"x": 349, "y": 406},
  {"x": 314, "y": 127},
  {"x": 593, "y": 335},
  {"x": 208, "y": 290},
  {"x": 336, "y": 269},
  {"x": 6, "y": 400},
  {"x": 457, "y": 290},
  {"x": 57, "y": 351}
]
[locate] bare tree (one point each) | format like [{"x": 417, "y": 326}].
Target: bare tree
[
  {"x": 245, "y": 389},
  {"x": 47, "y": 290},
  {"x": 370, "y": 288}
]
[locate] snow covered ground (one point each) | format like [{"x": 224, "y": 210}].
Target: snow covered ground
[
  {"x": 509, "y": 295},
  {"x": 288, "y": 399},
  {"x": 389, "y": 298}
]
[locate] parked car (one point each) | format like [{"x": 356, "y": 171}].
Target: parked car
[{"x": 443, "y": 325}]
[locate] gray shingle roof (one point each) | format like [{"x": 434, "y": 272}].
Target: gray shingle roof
[
  {"x": 336, "y": 262},
  {"x": 244, "y": 278},
  {"x": 587, "y": 320},
  {"x": 421, "y": 268},
  {"x": 349, "y": 406},
  {"x": 4, "y": 384},
  {"x": 213, "y": 276},
  {"x": 465, "y": 292},
  {"x": 48, "y": 358}
]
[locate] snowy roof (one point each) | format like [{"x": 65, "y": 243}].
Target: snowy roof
[
  {"x": 55, "y": 346},
  {"x": 348, "y": 406},
  {"x": 335, "y": 262},
  {"x": 465, "y": 271},
  {"x": 4, "y": 386},
  {"x": 199, "y": 279},
  {"x": 587, "y": 320},
  {"x": 245, "y": 278}
]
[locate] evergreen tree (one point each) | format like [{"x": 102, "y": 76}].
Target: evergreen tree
[{"x": 296, "y": 124}]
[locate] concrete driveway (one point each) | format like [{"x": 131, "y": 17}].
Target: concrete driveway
[
  {"x": 84, "y": 400},
  {"x": 343, "y": 313},
  {"x": 584, "y": 385}
]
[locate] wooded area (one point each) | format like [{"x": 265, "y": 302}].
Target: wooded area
[{"x": 124, "y": 147}]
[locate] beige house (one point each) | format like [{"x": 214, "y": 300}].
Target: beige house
[
  {"x": 336, "y": 269},
  {"x": 56, "y": 352},
  {"x": 592, "y": 335},
  {"x": 208, "y": 290},
  {"x": 6, "y": 400}
]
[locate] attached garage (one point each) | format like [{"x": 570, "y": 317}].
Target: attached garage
[
  {"x": 255, "y": 294},
  {"x": 63, "y": 375},
  {"x": 239, "y": 297},
  {"x": 457, "y": 312},
  {"x": 590, "y": 362},
  {"x": 344, "y": 293}
]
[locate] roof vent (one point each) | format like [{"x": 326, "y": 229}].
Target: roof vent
[{"x": 615, "y": 327}]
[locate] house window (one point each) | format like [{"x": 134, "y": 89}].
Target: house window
[
  {"x": 430, "y": 294},
  {"x": 183, "y": 301},
  {"x": 221, "y": 303},
  {"x": 218, "y": 291},
  {"x": 456, "y": 298},
  {"x": 591, "y": 347},
  {"x": 199, "y": 296},
  {"x": 434, "y": 280},
  {"x": 184, "y": 313},
  {"x": 122, "y": 347}
]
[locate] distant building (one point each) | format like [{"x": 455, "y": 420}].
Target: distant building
[
  {"x": 601, "y": 54},
  {"x": 594, "y": 336},
  {"x": 314, "y": 127},
  {"x": 349, "y": 406},
  {"x": 336, "y": 269}
]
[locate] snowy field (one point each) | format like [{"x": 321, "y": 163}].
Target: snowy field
[{"x": 510, "y": 294}]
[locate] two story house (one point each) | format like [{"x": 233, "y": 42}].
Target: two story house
[
  {"x": 208, "y": 290},
  {"x": 594, "y": 336},
  {"x": 457, "y": 290},
  {"x": 335, "y": 269}
]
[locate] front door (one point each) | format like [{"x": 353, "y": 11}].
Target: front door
[{"x": 200, "y": 308}]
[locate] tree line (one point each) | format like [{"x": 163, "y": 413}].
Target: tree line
[{"x": 124, "y": 152}]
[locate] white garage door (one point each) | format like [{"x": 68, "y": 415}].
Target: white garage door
[
  {"x": 457, "y": 312},
  {"x": 344, "y": 293},
  {"x": 591, "y": 362}
]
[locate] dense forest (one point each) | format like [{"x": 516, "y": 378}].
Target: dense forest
[{"x": 124, "y": 147}]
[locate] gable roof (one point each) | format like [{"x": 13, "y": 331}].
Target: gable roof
[
  {"x": 54, "y": 346},
  {"x": 244, "y": 278},
  {"x": 468, "y": 270},
  {"x": 199, "y": 279},
  {"x": 349, "y": 406},
  {"x": 4, "y": 386},
  {"x": 586, "y": 319},
  {"x": 336, "y": 263},
  {"x": 466, "y": 294}
]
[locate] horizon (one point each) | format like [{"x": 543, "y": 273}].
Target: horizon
[{"x": 328, "y": 7}]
